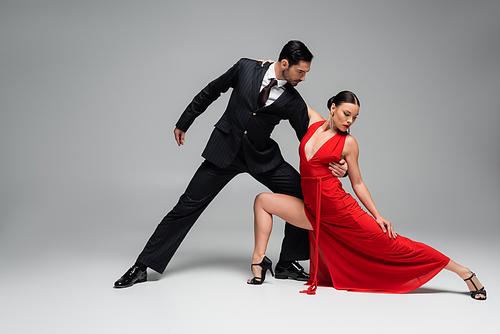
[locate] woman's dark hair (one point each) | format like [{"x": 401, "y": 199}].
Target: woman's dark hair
[
  {"x": 294, "y": 52},
  {"x": 343, "y": 97}
]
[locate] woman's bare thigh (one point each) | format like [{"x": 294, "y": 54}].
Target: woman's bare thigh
[{"x": 288, "y": 208}]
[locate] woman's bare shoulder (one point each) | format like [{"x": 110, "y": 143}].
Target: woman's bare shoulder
[
  {"x": 350, "y": 138},
  {"x": 350, "y": 145}
]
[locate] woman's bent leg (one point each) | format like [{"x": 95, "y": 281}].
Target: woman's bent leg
[{"x": 288, "y": 208}]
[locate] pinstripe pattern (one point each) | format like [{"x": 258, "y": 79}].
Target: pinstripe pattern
[
  {"x": 243, "y": 126},
  {"x": 240, "y": 142}
]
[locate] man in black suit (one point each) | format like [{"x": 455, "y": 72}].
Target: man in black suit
[{"x": 262, "y": 96}]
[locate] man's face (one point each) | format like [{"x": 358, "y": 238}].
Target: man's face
[{"x": 296, "y": 73}]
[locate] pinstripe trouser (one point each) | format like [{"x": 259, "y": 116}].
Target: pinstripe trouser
[{"x": 206, "y": 183}]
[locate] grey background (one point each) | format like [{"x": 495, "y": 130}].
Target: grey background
[{"x": 89, "y": 95}]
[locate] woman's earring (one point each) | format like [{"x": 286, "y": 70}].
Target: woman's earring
[{"x": 331, "y": 121}]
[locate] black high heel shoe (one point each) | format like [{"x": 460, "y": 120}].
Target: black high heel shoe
[
  {"x": 475, "y": 294},
  {"x": 266, "y": 265}
]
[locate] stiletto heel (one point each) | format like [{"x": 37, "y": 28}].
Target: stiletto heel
[
  {"x": 474, "y": 294},
  {"x": 266, "y": 265}
]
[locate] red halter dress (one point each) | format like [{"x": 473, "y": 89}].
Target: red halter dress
[{"x": 348, "y": 249}]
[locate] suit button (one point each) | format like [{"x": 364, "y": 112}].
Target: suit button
[
  {"x": 254, "y": 113},
  {"x": 245, "y": 132}
]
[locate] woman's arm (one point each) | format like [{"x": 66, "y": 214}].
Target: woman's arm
[{"x": 351, "y": 153}]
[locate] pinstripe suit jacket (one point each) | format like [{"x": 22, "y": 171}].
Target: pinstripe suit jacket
[{"x": 243, "y": 125}]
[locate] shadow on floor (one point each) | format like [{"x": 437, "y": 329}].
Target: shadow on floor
[
  {"x": 219, "y": 262},
  {"x": 430, "y": 290}
]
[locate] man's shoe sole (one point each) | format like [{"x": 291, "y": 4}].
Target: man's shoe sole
[{"x": 283, "y": 276}]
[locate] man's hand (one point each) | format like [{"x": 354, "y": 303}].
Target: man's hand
[
  {"x": 179, "y": 136},
  {"x": 339, "y": 169}
]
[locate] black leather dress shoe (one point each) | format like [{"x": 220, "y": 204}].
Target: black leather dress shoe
[
  {"x": 293, "y": 271},
  {"x": 132, "y": 276}
]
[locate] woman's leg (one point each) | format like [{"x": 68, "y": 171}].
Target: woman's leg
[
  {"x": 466, "y": 273},
  {"x": 289, "y": 208}
]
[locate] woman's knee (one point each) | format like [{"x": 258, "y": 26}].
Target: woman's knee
[{"x": 261, "y": 199}]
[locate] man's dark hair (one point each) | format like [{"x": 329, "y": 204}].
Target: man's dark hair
[{"x": 294, "y": 52}]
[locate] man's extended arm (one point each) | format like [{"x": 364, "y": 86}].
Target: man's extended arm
[{"x": 205, "y": 97}]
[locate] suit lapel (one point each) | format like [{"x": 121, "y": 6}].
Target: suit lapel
[
  {"x": 258, "y": 76},
  {"x": 285, "y": 97}
]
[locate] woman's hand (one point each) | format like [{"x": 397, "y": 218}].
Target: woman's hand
[
  {"x": 265, "y": 61},
  {"x": 386, "y": 227}
]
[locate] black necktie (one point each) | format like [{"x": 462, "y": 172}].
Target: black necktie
[{"x": 264, "y": 93}]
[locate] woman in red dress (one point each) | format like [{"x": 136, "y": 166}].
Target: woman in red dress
[{"x": 350, "y": 249}]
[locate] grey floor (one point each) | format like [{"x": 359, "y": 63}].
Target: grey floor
[{"x": 63, "y": 283}]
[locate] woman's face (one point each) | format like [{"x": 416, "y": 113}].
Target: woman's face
[{"x": 344, "y": 115}]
